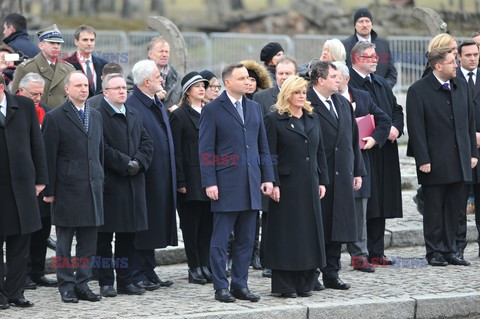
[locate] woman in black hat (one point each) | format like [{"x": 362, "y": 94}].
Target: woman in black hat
[
  {"x": 214, "y": 89},
  {"x": 269, "y": 55},
  {"x": 193, "y": 205}
]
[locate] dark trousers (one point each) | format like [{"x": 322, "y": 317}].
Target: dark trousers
[
  {"x": 17, "y": 247},
  {"x": 476, "y": 193},
  {"x": 375, "y": 237},
  {"x": 333, "y": 252},
  {"x": 196, "y": 222},
  {"x": 243, "y": 225},
  {"x": 359, "y": 248},
  {"x": 38, "y": 249},
  {"x": 263, "y": 243},
  {"x": 287, "y": 281},
  {"x": 123, "y": 257},
  {"x": 461, "y": 235},
  {"x": 144, "y": 264},
  {"x": 85, "y": 250},
  {"x": 443, "y": 207}
]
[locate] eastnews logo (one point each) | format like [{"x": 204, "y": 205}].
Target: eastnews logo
[
  {"x": 398, "y": 262},
  {"x": 95, "y": 261}
]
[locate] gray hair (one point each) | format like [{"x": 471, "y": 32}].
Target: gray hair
[
  {"x": 31, "y": 77},
  {"x": 142, "y": 70},
  {"x": 341, "y": 66},
  {"x": 110, "y": 76},
  {"x": 358, "y": 49}
]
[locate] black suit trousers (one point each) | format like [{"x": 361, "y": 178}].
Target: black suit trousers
[
  {"x": 17, "y": 248},
  {"x": 38, "y": 248}
]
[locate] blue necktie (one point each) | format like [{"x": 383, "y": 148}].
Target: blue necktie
[
  {"x": 238, "y": 107},
  {"x": 81, "y": 113},
  {"x": 446, "y": 86},
  {"x": 368, "y": 79}
]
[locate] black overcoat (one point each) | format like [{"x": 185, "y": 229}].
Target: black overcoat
[
  {"x": 27, "y": 167},
  {"x": 344, "y": 162},
  {"x": 125, "y": 138},
  {"x": 295, "y": 237},
  {"x": 441, "y": 130},
  {"x": 386, "y": 191},
  {"x": 75, "y": 167}
]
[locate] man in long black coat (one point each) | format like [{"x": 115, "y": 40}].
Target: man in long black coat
[
  {"x": 22, "y": 178},
  {"x": 128, "y": 153},
  {"x": 441, "y": 127},
  {"x": 386, "y": 185},
  {"x": 345, "y": 167},
  {"x": 160, "y": 178},
  {"x": 73, "y": 136}
]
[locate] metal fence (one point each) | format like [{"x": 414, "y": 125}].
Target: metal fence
[{"x": 213, "y": 51}]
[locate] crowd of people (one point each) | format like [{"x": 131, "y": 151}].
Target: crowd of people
[{"x": 107, "y": 157}]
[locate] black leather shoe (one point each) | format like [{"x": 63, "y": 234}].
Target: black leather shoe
[
  {"x": 147, "y": 285},
  {"x": 207, "y": 274},
  {"x": 3, "y": 302},
  {"x": 335, "y": 283},
  {"x": 130, "y": 289},
  {"x": 245, "y": 294},
  {"x": 361, "y": 264},
  {"x": 318, "y": 286},
  {"x": 87, "y": 295},
  {"x": 457, "y": 261},
  {"x": 30, "y": 284},
  {"x": 21, "y": 302},
  {"x": 267, "y": 272},
  {"x": 162, "y": 283},
  {"x": 305, "y": 294},
  {"x": 69, "y": 296},
  {"x": 108, "y": 291},
  {"x": 437, "y": 261},
  {"x": 45, "y": 281},
  {"x": 380, "y": 260},
  {"x": 287, "y": 295},
  {"x": 51, "y": 243},
  {"x": 195, "y": 276},
  {"x": 223, "y": 295}
]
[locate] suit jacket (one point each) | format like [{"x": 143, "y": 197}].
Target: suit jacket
[
  {"x": 267, "y": 98},
  {"x": 234, "y": 155},
  {"x": 344, "y": 162},
  {"x": 125, "y": 138},
  {"x": 441, "y": 130},
  {"x": 185, "y": 123},
  {"x": 75, "y": 167},
  {"x": 385, "y": 67},
  {"x": 27, "y": 165},
  {"x": 98, "y": 64},
  {"x": 54, "y": 86}
]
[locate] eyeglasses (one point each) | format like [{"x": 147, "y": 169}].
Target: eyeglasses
[
  {"x": 369, "y": 58},
  {"x": 451, "y": 62},
  {"x": 34, "y": 94},
  {"x": 215, "y": 87},
  {"x": 117, "y": 88}
]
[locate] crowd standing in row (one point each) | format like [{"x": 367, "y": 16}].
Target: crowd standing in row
[{"x": 120, "y": 155}]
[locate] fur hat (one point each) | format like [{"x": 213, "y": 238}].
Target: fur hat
[
  {"x": 362, "y": 13},
  {"x": 263, "y": 77}
]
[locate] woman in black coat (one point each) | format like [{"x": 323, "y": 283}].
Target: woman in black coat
[
  {"x": 193, "y": 205},
  {"x": 295, "y": 238}
]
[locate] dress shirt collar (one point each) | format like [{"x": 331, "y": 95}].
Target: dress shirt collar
[
  {"x": 233, "y": 100},
  {"x": 122, "y": 109},
  {"x": 465, "y": 73}
]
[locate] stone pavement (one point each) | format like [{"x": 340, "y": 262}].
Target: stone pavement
[{"x": 410, "y": 289}]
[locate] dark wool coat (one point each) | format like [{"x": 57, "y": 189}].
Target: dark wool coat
[
  {"x": 160, "y": 178},
  {"x": 75, "y": 167},
  {"x": 125, "y": 138},
  {"x": 344, "y": 162},
  {"x": 386, "y": 192},
  {"x": 267, "y": 99},
  {"x": 295, "y": 238},
  {"x": 23, "y": 165}
]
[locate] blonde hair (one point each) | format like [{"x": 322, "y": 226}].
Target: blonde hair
[
  {"x": 336, "y": 49},
  {"x": 440, "y": 40},
  {"x": 290, "y": 86}
]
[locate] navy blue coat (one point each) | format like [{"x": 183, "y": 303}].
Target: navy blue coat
[
  {"x": 244, "y": 160},
  {"x": 20, "y": 42},
  {"x": 160, "y": 178}
]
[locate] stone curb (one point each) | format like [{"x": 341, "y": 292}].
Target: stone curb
[{"x": 448, "y": 305}]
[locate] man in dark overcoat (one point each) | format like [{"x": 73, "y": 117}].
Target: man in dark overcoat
[
  {"x": 23, "y": 175},
  {"x": 233, "y": 144},
  {"x": 345, "y": 167},
  {"x": 160, "y": 178},
  {"x": 441, "y": 128},
  {"x": 73, "y": 136},
  {"x": 386, "y": 185},
  {"x": 128, "y": 152}
]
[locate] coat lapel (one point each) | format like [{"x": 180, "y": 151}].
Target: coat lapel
[
  {"x": 322, "y": 108},
  {"x": 229, "y": 107},
  {"x": 45, "y": 68},
  {"x": 73, "y": 117},
  {"x": 59, "y": 75},
  {"x": 12, "y": 107},
  {"x": 476, "y": 91},
  {"x": 342, "y": 116},
  {"x": 193, "y": 115}
]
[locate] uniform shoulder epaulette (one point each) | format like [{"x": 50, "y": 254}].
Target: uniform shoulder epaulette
[{"x": 27, "y": 61}]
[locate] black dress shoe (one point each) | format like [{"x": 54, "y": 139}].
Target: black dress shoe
[
  {"x": 51, "y": 243},
  {"x": 245, "y": 294},
  {"x": 287, "y": 295},
  {"x": 223, "y": 295},
  {"x": 380, "y": 260},
  {"x": 45, "y": 281},
  {"x": 87, "y": 295},
  {"x": 305, "y": 294},
  {"x": 361, "y": 264},
  {"x": 3, "y": 302},
  {"x": 207, "y": 274},
  {"x": 195, "y": 276},
  {"x": 130, "y": 289},
  {"x": 69, "y": 296},
  {"x": 147, "y": 285},
  {"x": 162, "y": 283},
  {"x": 21, "y": 302},
  {"x": 457, "y": 261},
  {"x": 437, "y": 260},
  {"x": 30, "y": 284},
  {"x": 267, "y": 272},
  {"x": 318, "y": 286},
  {"x": 335, "y": 283},
  {"x": 108, "y": 291}
]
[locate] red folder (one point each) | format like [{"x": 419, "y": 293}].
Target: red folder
[{"x": 366, "y": 126}]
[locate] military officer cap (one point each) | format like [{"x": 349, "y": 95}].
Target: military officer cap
[{"x": 50, "y": 34}]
